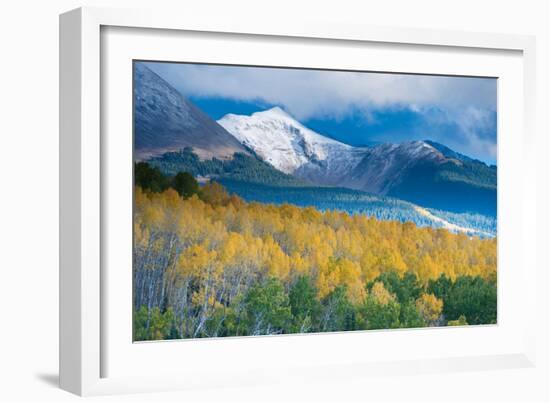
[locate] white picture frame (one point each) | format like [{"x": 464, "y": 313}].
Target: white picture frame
[{"x": 88, "y": 348}]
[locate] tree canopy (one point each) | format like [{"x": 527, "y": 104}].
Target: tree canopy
[{"x": 208, "y": 264}]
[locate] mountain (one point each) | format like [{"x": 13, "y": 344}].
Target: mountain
[
  {"x": 449, "y": 184},
  {"x": 383, "y": 167},
  {"x": 166, "y": 121},
  {"x": 282, "y": 141},
  {"x": 423, "y": 172},
  {"x": 420, "y": 173}
]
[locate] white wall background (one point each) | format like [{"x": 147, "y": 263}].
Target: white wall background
[{"x": 29, "y": 201}]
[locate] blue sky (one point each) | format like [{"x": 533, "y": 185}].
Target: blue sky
[{"x": 354, "y": 107}]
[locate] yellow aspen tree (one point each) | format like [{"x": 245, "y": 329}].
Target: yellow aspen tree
[
  {"x": 429, "y": 307},
  {"x": 350, "y": 276},
  {"x": 380, "y": 294}
]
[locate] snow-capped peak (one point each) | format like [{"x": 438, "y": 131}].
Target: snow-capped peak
[
  {"x": 279, "y": 139},
  {"x": 276, "y": 111}
]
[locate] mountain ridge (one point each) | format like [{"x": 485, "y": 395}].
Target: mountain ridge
[
  {"x": 423, "y": 172},
  {"x": 165, "y": 121}
]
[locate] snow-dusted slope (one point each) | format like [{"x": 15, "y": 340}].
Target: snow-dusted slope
[
  {"x": 167, "y": 121},
  {"x": 279, "y": 139},
  {"x": 383, "y": 166},
  {"x": 450, "y": 226}
]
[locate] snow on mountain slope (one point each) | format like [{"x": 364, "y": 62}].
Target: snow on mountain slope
[
  {"x": 450, "y": 226},
  {"x": 167, "y": 121},
  {"x": 279, "y": 139},
  {"x": 385, "y": 165}
]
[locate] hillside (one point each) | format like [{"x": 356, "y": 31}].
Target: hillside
[
  {"x": 164, "y": 120},
  {"x": 242, "y": 167},
  {"x": 359, "y": 202}
]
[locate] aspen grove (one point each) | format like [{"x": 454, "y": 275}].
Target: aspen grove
[{"x": 208, "y": 264}]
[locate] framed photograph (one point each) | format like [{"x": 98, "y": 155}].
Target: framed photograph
[{"x": 274, "y": 201}]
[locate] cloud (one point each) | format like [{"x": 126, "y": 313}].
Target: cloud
[
  {"x": 468, "y": 103},
  {"x": 465, "y": 128}
]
